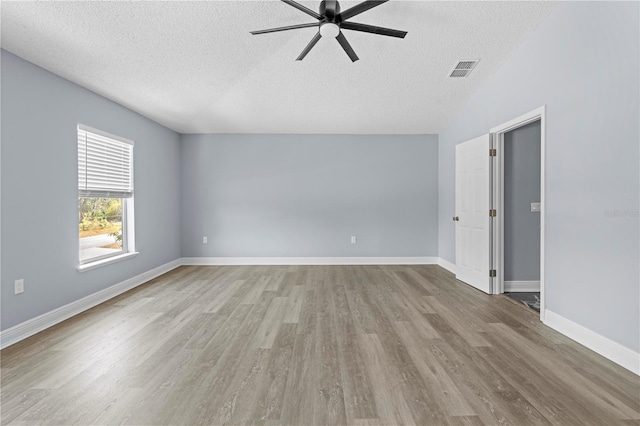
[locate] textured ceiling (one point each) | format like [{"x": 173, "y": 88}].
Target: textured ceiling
[{"x": 194, "y": 67}]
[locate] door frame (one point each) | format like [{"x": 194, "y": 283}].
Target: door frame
[{"x": 497, "y": 142}]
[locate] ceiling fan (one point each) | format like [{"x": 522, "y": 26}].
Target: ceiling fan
[{"x": 331, "y": 21}]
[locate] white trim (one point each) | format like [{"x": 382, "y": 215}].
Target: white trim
[
  {"x": 498, "y": 197},
  {"x": 104, "y": 134},
  {"x": 128, "y": 233},
  {"x": 30, "y": 327},
  {"x": 309, "y": 260},
  {"x": 609, "y": 349},
  {"x": 105, "y": 261},
  {"x": 524, "y": 119},
  {"x": 497, "y": 200},
  {"x": 447, "y": 265},
  {"x": 519, "y": 286}
]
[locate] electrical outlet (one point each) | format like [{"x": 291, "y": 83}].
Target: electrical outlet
[
  {"x": 204, "y": 240},
  {"x": 354, "y": 240},
  {"x": 18, "y": 286}
]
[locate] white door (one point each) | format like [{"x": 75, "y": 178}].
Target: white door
[{"x": 472, "y": 220}]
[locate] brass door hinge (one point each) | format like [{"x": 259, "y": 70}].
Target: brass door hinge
[
  {"x": 492, "y": 273},
  {"x": 492, "y": 213},
  {"x": 493, "y": 152}
]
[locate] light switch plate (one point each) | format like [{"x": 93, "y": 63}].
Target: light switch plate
[
  {"x": 535, "y": 207},
  {"x": 18, "y": 286}
]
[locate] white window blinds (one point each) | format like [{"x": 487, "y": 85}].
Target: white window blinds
[{"x": 105, "y": 165}]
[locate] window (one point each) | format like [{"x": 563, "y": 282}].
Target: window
[{"x": 105, "y": 195}]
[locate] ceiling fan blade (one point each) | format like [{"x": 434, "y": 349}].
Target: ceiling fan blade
[
  {"x": 359, "y": 8},
  {"x": 347, "y": 47},
  {"x": 302, "y": 8},
  {"x": 289, "y": 27},
  {"x": 372, "y": 29},
  {"x": 312, "y": 43}
]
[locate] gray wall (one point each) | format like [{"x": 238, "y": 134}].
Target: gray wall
[
  {"x": 40, "y": 112},
  {"x": 521, "y": 188},
  {"x": 582, "y": 62},
  {"x": 306, "y": 195}
]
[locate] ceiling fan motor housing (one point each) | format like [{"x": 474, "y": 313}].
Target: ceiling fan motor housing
[{"x": 330, "y": 10}]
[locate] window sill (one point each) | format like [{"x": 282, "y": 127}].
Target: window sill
[{"x": 103, "y": 262}]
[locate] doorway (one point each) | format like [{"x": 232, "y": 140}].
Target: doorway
[
  {"x": 522, "y": 214},
  {"x": 480, "y": 211},
  {"x": 518, "y": 197}
]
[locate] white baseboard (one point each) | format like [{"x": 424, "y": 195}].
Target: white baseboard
[
  {"x": 520, "y": 286},
  {"x": 609, "y": 349},
  {"x": 30, "y": 327},
  {"x": 447, "y": 265},
  {"x": 309, "y": 260}
]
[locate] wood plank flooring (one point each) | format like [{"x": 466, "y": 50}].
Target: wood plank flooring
[{"x": 310, "y": 345}]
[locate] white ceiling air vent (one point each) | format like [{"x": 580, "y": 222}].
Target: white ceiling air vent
[{"x": 463, "y": 68}]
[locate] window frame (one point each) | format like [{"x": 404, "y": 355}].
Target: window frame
[{"x": 127, "y": 207}]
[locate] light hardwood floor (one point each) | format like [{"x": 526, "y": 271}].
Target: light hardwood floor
[{"x": 310, "y": 345}]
